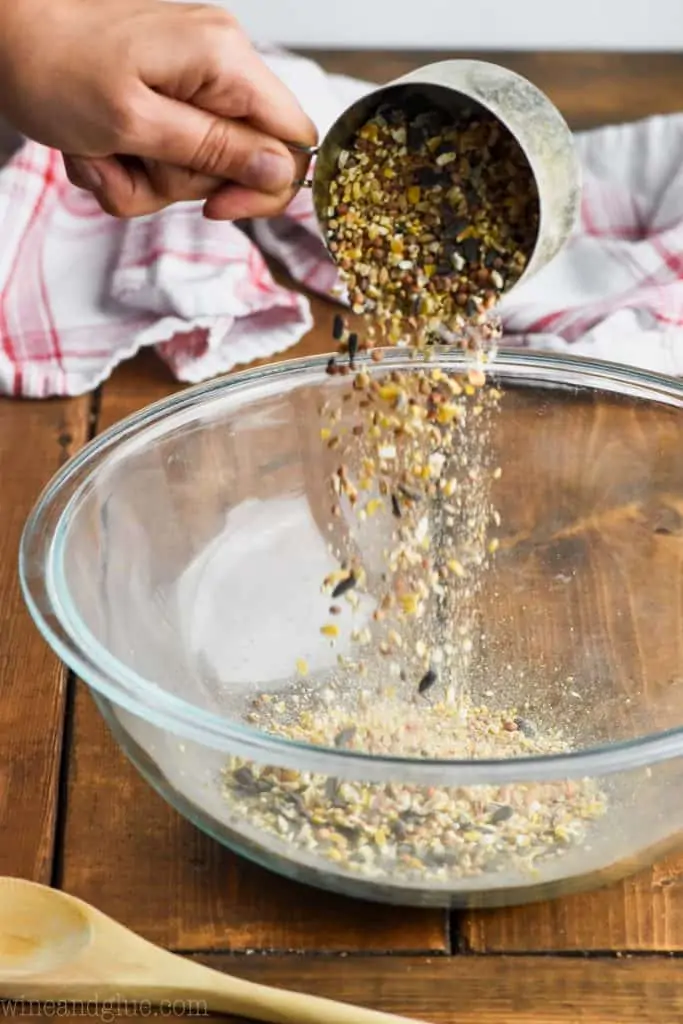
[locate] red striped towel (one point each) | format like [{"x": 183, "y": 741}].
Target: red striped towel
[{"x": 80, "y": 291}]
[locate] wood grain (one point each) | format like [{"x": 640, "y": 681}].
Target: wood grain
[
  {"x": 486, "y": 990},
  {"x": 131, "y": 855},
  {"x": 458, "y": 990},
  {"x": 34, "y": 439},
  {"x": 590, "y": 89}
]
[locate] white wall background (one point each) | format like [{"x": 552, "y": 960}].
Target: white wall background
[{"x": 466, "y": 24}]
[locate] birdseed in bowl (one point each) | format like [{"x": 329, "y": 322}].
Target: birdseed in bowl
[{"x": 395, "y": 832}]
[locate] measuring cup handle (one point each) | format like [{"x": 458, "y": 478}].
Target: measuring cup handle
[{"x": 310, "y": 151}]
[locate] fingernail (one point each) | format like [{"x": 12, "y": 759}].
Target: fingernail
[
  {"x": 268, "y": 171},
  {"x": 88, "y": 176}
]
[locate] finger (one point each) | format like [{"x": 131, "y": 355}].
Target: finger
[
  {"x": 180, "y": 134},
  {"x": 177, "y": 184},
  {"x": 234, "y": 202},
  {"x": 122, "y": 190},
  {"x": 80, "y": 174}
]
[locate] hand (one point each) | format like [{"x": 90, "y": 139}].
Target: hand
[{"x": 152, "y": 103}]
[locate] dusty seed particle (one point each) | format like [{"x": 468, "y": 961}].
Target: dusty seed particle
[
  {"x": 244, "y": 776},
  {"x": 348, "y": 583},
  {"x": 345, "y": 736},
  {"x": 501, "y": 814},
  {"x": 338, "y": 327},
  {"x": 427, "y": 681}
]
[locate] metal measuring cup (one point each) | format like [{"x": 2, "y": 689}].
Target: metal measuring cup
[{"x": 521, "y": 109}]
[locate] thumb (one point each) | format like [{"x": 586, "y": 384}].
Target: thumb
[{"x": 183, "y": 135}]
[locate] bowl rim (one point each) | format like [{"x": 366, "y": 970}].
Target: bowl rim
[{"x": 145, "y": 699}]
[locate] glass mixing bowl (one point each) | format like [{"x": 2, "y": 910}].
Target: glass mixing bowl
[{"x": 175, "y": 564}]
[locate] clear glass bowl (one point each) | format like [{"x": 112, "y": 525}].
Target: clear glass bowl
[{"x": 175, "y": 565}]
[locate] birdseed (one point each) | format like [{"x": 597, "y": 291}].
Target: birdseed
[
  {"x": 411, "y": 832},
  {"x": 418, "y": 464},
  {"x": 432, "y": 217}
]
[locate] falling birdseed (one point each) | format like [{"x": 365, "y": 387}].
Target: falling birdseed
[
  {"x": 348, "y": 583},
  {"x": 338, "y": 327}
]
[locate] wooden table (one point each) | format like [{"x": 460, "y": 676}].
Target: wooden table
[{"x": 74, "y": 813}]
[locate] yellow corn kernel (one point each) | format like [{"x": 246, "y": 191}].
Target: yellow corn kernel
[
  {"x": 330, "y": 629},
  {"x": 447, "y": 412},
  {"x": 369, "y": 131},
  {"x": 413, "y": 194},
  {"x": 409, "y": 603}
]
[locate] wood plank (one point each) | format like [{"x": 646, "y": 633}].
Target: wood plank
[
  {"x": 589, "y": 89},
  {"x": 457, "y": 990},
  {"x": 641, "y": 914},
  {"x": 486, "y": 990},
  {"x": 129, "y": 853},
  {"x": 35, "y": 437}
]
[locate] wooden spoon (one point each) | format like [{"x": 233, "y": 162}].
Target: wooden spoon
[{"x": 55, "y": 947}]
